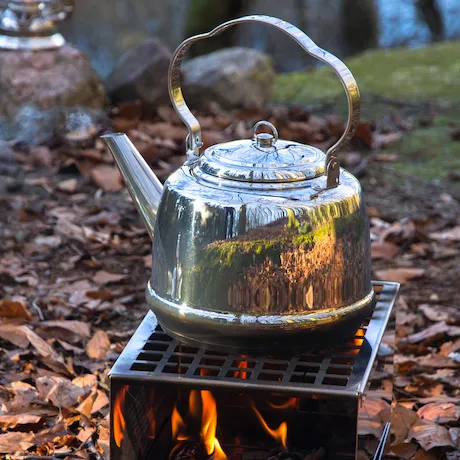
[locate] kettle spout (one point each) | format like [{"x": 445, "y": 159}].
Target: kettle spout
[{"x": 143, "y": 186}]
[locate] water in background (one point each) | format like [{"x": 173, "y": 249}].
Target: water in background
[{"x": 106, "y": 28}]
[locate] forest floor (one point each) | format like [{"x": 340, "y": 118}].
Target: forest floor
[{"x": 75, "y": 260}]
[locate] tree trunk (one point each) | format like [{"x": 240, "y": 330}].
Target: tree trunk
[{"x": 430, "y": 13}]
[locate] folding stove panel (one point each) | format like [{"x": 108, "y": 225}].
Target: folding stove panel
[{"x": 162, "y": 391}]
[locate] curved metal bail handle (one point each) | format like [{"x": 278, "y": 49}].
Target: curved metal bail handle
[{"x": 345, "y": 76}]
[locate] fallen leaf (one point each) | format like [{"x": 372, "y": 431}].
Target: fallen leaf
[
  {"x": 400, "y": 275},
  {"x": 429, "y": 435},
  {"x": 405, "y": 451},
  {"x": 383, "y": 140},
  {"x": 14, "y": 334},
  {"x": 402, "y": 420},
  {"x": 447, "y": 376},
  {"x": 68, "y": 186},
  {"x": 78, "y": 328},
  {"x": 103, "y": 277},
  {"x": 87, "y": 381},
  {"x": 12, "y": 421},
  {"x": 60, "y": 391},
  {"x": 98, "y": 346},
  {"x": 384, "y": 250},
  {"x": 86, "y": 406},
  {"x": 12, "y": 442},
  {"x": 49, "y": 356},
  {"x": 440, "y": 313},
  {"x": 52, "y": 241},
  {"x": 440, "y": 412},
  {"x": 434, "y": 332},
  {"x": 24, "y": 395},
  {"x": 106, "y": 177},
  {"x": 14, "y": 309},
  {"x": 450, "y": 235},
  {"x": 101, "y": 401}
]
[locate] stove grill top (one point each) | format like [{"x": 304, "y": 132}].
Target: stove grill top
[{"x": 341, "y": 370}]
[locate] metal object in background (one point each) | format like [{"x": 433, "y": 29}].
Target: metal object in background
[
  {"x": 31, "y": 24},
  {"x": 324, "y": 389},
  {"x": 259, "y": 242}
]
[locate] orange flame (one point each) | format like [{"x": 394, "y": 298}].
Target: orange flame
[
  {"x": 291, "y": 402},
  {"x": 200, "y": 403},
  {"x": 119, "y": 422},
  {"x": 280, "y": 434},
  {"x": 241, "y": 365}
]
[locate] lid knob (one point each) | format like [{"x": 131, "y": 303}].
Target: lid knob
[{"x": 265, "y": 140}]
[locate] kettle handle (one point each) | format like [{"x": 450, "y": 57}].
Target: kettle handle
[{"x": 194, "y": 141}]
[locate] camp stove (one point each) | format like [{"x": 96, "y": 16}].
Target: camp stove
[{"x": 176, "y": 402}]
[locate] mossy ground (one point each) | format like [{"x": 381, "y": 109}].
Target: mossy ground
[{"x": 409, "y": 81}]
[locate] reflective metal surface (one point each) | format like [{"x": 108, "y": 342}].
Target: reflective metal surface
[
  {"x": 232, "y": 260},
  {"x": 31, "y": 24},
  {"x": 254, "y": 240}
]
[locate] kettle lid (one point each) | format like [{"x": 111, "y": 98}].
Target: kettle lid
[{"x": 262, "y": 159}]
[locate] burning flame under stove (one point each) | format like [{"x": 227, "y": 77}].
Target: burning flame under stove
[{"x": 196, "y": 429}]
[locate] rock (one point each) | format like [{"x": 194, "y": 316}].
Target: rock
[
  {"x": 233, "y": 77},
  {"x": 73, "y": 126},
  {"x": 47, "y": 79},
  {"x": 141, "y": 73}
]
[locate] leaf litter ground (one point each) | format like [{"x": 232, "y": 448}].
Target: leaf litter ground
[{"x": 75, "y": 259}]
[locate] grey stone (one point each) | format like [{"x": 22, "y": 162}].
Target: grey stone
[
  {"x": 141, "y": 73},
  {"x": 233, "y": 77},
  {"x": 47, "y": 79}
]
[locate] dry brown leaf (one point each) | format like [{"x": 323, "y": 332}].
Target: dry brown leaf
[
  {"x": 402, "y": 420},
  {"x": 429, "y": 435},
  {"x": 104, "y": 440},
  {"x": 434, "y": 332},
  {"x": 406, "y": 450},
  {"x": 422, "y": 455},
  {"x": 60, "y": 391},
  {"x": 101, "y": 401},
  {"x": 87, "y": 381},
  {"x": 383, "y": 140},
  {"x": 108, "y": 178},
  {"x": 14, "y": 309},
  {"x": 450, "y": 235},
  {"x": 98, "y": 346},
  {"x": 440, "y": 313},
  {"x": 86, "y": 406},
  {"x": 103, "y": 277},
  {"x": 384, "y": 250},
  {"x": 12, "y": 442},
  {"x": 46, "y": 352},
  {"x": 373, "y": 415},
  {"x": 78, "y": 328},
  {"x": 14, "y": 334},
  {"x": 400, "y": 275},
  {"x": 12, "y": 421},
  {"x": 68, "y": 185},
  {"x": 24, "y": 395},
  {"x": 447, "y": 376},
  {"x": 440, "y": 412}
]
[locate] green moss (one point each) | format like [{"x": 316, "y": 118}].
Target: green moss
[
  {"x": 429, "y": 152},
  {"x": 429, "y": 73}
]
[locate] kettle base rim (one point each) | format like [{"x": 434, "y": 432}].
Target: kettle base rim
[{"x": 250, "y": 335}]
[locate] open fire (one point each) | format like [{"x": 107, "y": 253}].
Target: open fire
[{"x": 202, "y": 412}]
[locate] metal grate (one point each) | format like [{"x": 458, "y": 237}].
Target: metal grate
[{"x": 341, "y": 370}]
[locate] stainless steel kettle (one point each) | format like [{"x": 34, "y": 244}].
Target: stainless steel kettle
[{"x": 257, "y": 243}]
